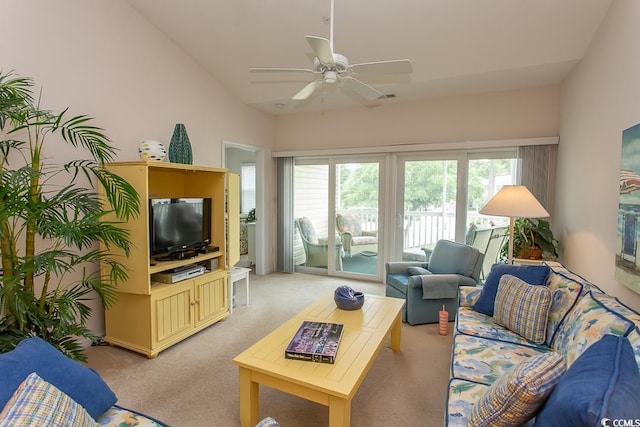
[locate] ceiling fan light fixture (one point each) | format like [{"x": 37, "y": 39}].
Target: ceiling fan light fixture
[{"x": 330, "y": 77}]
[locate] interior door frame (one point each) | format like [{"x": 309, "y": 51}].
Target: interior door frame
[{"x": 261, "y": 211}]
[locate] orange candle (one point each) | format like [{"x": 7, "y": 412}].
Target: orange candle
[{"x": 443, "y": 324}]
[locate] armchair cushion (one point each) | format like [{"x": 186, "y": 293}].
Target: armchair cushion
[
  {"x": 452, "y": 257},
  {"x": 532, "y": 274},
  {"x": 416, "y": 271}
]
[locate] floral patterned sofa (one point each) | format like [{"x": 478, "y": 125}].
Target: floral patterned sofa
[{"x": 553, "y": 353}]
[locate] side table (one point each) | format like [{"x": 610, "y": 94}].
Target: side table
[{"x": 237, "y": 274}]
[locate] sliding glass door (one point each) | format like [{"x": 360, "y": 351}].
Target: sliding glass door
[
  {"x": 337, "y": 216},
  {"x": 357, "y": 213},
  {"x": 427, "y": 205},
  {"x": 340, "y": 204}
]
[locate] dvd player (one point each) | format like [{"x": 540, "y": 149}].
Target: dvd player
[{"x": 178, "y": 274}]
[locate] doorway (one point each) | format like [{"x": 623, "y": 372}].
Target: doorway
[{"x": 248, "y": 162}]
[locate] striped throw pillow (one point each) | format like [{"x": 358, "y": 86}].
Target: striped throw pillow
[
  {"x": 523, "y": 308},
  {"x": 38, "y": 403},
  {"x": 517, "y": 395}
]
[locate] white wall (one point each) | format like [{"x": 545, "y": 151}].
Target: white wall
[
  {"x": 498, "y": 115},
  {"x": 599, "y": 100},
  {"x": 103, "y": 59}
]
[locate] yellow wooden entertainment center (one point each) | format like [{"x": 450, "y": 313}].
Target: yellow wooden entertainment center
[{"x": 150, "y": 316}]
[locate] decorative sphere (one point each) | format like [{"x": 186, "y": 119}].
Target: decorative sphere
[
  {"x": 348, "y": 299},
  {"x": 152, "y": 150}
]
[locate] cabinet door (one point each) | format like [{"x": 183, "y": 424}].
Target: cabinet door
[
  {"x": 233, "y": 219},
  {"x": 211, "y": 301},
  {"x": 172, "y": 310}
]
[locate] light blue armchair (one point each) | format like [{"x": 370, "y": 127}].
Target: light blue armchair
[{"x": 427, "y": 286}]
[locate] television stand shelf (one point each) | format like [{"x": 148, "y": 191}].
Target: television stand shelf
[
  {"x": 156, "y": 266},
  {"x": 150, "y": 316}
]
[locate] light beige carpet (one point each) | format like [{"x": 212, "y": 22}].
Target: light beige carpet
[{"x": 195, "y": 383}]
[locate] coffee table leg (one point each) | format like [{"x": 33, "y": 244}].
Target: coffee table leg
[
  {"x": 339, "y": 412},
  {"x": 249, "y": 399},
  {"x": 396, "y": 333}
]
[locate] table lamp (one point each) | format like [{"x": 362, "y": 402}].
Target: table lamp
[{"x": 514, "y": 201}]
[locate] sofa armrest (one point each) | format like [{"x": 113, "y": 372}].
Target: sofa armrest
[
  {"x": 373, "y": 233},
  {"x": 468, "y": 295},
  {"x": 396, "y": 267}
]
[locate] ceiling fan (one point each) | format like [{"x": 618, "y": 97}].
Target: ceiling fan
[{"x": 330, "y": 67}]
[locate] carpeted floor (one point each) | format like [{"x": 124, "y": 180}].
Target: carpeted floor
[{"x": 195, "y": 383}]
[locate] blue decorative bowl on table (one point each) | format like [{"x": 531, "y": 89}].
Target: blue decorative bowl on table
[{"x": 348, "y": 299}]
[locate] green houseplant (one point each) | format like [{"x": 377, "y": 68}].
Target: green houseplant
[
  {"x": 532, "y": 239},
  {"x": 50, "y": 222}
]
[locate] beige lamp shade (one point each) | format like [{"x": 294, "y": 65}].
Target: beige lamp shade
[{"x": 514, "y": 201}]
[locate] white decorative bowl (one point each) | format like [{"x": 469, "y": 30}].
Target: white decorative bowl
[{"x": 152, "y": 150}]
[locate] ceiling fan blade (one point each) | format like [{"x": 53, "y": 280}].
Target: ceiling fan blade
[
  {"x": 278, "y": 70},
  {"x": 364, "y": 90},
  {"x": 322, "y": 48},
  {"x": 308, "y": 90},
  {"x": 383, "y": 67}
]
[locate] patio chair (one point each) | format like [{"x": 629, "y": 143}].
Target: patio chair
[
  {"x": 489, "y": 241},
  {"x": 316, "y": 251},
  {"x": 428, "y": 286},
  {"x": 354, "y": 239}
]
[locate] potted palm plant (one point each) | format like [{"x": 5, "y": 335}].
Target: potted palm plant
[{"x": 50, "y": 222}]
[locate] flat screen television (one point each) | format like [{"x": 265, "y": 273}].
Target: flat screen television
[{"x": 179, "y": 226}]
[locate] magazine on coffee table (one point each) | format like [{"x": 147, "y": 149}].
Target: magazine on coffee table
[{"x": 316, "y": 342}]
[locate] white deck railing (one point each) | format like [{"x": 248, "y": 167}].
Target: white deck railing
[{"x": 421, "y": 229}]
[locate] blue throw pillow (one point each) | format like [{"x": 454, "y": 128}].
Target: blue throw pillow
[
  {"x": 532, "y": 274},
  {"x": 603, "y": 382},
  {"x": 80, "y": 383}
]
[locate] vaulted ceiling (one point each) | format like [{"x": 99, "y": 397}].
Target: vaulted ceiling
[{"x": 455, "y": 46}]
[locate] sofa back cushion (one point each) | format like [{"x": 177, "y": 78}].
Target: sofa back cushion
[
  {"x": 594, "y": 316},
  {"x": 566, "y": 292},
  {"x": 523, "y": 308},
  {"x": 570, "y": 275},
  {"x": 455, "y": 258},
  {"x": 532, "y": 274}
]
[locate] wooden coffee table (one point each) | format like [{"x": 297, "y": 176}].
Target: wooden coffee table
[{"x": 332, "y": 385}]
